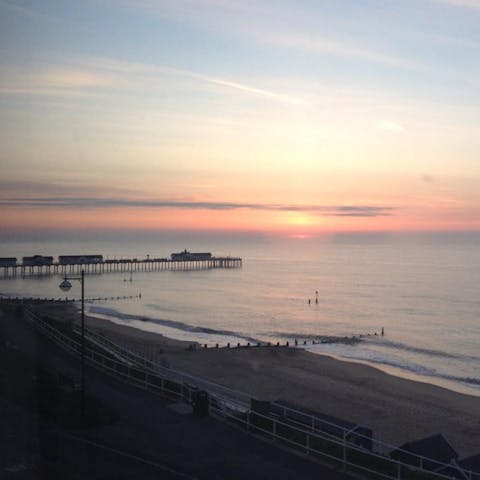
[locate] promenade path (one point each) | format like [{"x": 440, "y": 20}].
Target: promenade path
[{"x": 150, "y": 440}]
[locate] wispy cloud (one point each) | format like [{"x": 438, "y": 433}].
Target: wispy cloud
[
  {"x": 46, "y": 78},
  {"x": 74, "y": 78},
  {"x": 95, "y": 202},
  {"x": 267, "y": 23},
  {"x": 86, "y": 76},
  {"x": 223, "y": 14},
  {"x": 333, "y": 47},
  {"x": 117, "y": 66},
  {"x": 230, "y": 84},
  {"x": 48, "y": 189}
]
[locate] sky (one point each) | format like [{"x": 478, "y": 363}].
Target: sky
[{"x": 294, "y": 118}]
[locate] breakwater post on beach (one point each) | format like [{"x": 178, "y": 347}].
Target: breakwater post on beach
[
  {"x": 295, "y": 343},
  {"x": 125, "y": 265}
]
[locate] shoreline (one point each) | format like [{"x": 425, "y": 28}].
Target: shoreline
[
  {"x": 397, "y": 409},
  {"x": 451, "y": 385},
  {"x": 397, "y": 372}
]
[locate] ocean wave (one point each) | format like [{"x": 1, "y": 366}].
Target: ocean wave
[
  {"x": 379, "y": 359},
  {"x": 351, "y": 340},
  {"x": 185, "y": 327},
  {"x": 426, "y": 351},
  {"x": 468, "y": 380},
  {"x": 382, "y": 359},
  {"x": 159, "y": 308},
  {"x": 419, "y": 370}
]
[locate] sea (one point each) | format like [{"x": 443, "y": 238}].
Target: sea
[{"x": 422, "y": 290}]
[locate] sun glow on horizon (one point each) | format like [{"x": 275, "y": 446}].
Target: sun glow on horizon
[
  {"x": 301, "y": 236},
  {"x": 147, "y": 124},
  {"x": 300, "y": 219}
]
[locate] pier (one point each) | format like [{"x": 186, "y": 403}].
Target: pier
[{"x": 117, "y": 266}]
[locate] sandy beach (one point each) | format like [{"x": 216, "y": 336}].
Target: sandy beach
[{"x": 398, "y": 410}]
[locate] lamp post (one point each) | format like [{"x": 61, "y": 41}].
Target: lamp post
[{"x": 66, "y": 286}]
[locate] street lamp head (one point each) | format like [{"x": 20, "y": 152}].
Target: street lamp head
[{"x": 65, "y": 285}]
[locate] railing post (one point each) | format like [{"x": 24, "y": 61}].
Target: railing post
[
  {"x": 307, "y": 443},
  {"x": 399, "y": 470},
  {"x": 344, "y": 451},
  {"x": 274, "y": 430}
]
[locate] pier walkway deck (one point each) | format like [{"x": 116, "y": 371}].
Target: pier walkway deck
[{"x": 120, "y": 266}]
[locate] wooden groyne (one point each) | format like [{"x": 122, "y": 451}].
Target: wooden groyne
[
  {"x": 61, "y": 300},
  {"x": 120, "y": 266}
]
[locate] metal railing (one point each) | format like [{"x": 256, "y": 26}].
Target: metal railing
[
  {"x": 121, "y": 352},
  {"x": 120, "y": 369},
  {"x": 239, "y": 399},
  {"x": 234, "y": 407}
]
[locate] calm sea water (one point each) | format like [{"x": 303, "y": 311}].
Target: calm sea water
[{"x": 424, "y": 292}]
